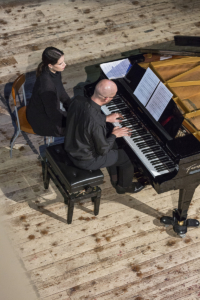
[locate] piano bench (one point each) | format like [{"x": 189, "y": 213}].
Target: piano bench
[{"x": 74, "y": 184}]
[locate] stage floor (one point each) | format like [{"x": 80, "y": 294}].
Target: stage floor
[{"x": 124, "y": 252}]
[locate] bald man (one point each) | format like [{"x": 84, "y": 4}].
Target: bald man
[{"x": 88, "y": 144}]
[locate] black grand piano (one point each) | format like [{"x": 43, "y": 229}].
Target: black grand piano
[{"x": 166, "y": 152}]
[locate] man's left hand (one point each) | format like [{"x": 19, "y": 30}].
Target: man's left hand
[{"x": 114, "y": 118}]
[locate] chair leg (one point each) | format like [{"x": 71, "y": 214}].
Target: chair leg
[
  {"x": 13, "y": 141},
  {"x": 46, "y": 176},
  {"x": 96, "y": 201}
]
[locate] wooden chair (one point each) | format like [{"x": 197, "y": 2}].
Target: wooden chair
[{"x": 21, "y": 120}]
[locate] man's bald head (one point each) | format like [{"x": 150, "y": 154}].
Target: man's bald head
[{"x": 105, "y": 89}]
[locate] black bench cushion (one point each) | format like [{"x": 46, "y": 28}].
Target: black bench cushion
[{"x": 72, "y": 177}]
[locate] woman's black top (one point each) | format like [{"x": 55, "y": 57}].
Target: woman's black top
[{"x": 43, "y": 110}]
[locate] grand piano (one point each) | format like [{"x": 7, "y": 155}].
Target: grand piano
[{"x": 166, "y": 151}]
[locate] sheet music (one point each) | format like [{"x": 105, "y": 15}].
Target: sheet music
[
  {"x": 159, "y": 101},
  {"x": 116, "y": 69},
  {"x": 146, "y": 87}
]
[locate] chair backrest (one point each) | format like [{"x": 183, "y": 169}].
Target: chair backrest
[{"x": 18, "y": 83}]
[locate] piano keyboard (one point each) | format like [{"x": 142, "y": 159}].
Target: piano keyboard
[{"x": 141, "y": 141}]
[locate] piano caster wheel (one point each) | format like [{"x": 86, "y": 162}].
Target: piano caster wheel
[
  {"x": 182, "y": 235},
  {"x": 180, "y": 227},
  {"x": 166, "y": 221}
]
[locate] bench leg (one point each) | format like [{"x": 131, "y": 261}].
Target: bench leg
[
  {"x": 70, "y": 211},
  {"x": 96, "y": 201},
  {"x": 46, "y": 176}
]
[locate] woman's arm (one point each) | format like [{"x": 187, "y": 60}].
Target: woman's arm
[
  {"x": 64, "y": 97},
  {"x": 50, "y": 103}
]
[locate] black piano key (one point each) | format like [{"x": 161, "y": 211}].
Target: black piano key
[
  {"x": 128, "y": 114},
  {"x": 121, "y": 106},
  {"x": 117, "y": 103},
  {"x": 160, "y": 168},
  {"x": 170, "y": 165},
  {"x": 141, "y": 131},
  {"x": 158, "y": 161},
  {"x": 111, "y": 107},
  {"x": 153, "y": 156},
  {"x": 125, "y": 110},
  {"x": 113, "y": 110},
  {"x": 150, "y": 149},
  {"x": 150, "y": 144},
  {"x": 117, "y": 100},
  {"x": 135, "y": 134},
  {"x": 110, "y": 104},
  {"x": 127, "y": 125},
  {"x": 124, "y": 125},
  {"x": 136, "y": 127},
  {"x": 144, "y": 143},
  {"x": 143, "y": 138},
  {"x": 156, "y": 155},
  {"x": 128, "y": 118},
  {"x": 125, "y": 122},
  {"x": 165, "y": 166}
]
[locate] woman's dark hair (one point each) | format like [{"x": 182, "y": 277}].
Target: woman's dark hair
[{"x": 49, "y": 56}]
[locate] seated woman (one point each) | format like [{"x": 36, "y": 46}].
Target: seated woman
[{"x": 43, "y": 111}]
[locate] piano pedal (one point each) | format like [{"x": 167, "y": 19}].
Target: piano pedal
[
  {"x": 141, "y": 178},
  {"x": 137, "y": 174}
]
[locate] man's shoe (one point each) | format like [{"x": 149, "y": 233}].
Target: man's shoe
[
  {"x": 134, "y": 188},
  {"x": 114, "y": 183}
]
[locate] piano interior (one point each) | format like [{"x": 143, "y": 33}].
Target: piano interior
[{"x": 181, "y": 75}]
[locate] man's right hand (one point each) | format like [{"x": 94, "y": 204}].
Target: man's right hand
[{"x": 121, "y": 131}]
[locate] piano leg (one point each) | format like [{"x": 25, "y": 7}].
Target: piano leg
[{"x": 179, "y": 220}]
